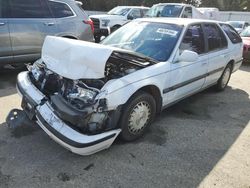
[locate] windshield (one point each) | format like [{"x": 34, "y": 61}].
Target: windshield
[
  {"x": 246, "y": 32},
  {"x": 236, "y": 24},
  {"x": 154, "y": 40},
  {"x": 119, "y": 11},
  {"x": 165, "y": 11}
]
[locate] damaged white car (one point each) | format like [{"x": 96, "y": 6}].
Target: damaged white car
[{"x": 83, "y": 95}]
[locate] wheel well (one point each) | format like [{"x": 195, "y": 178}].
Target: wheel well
[
  {"x": 69, "y": 37},
  {"x": 117, "y": 25},
  {"x": 155, "y": 92},
  {"x": 231, "y": 62}
]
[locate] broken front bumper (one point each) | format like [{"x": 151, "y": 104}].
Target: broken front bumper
[{"x": 38, "y": 106}]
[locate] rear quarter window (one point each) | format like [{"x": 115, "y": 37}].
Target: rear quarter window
[
  {"x": 231, "y": 33},
  {"x": 60, "y": 10}
]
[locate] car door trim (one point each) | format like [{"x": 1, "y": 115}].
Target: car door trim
[{"x": 182, "y": 84}]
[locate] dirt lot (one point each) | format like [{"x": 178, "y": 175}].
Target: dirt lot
[{"x": 203, "y": 141}]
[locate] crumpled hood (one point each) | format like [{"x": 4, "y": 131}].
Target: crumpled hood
[{"x": 75, "y": 59}]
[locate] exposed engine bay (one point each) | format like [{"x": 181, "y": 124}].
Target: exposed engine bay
[{"x": 80, "y": 95}]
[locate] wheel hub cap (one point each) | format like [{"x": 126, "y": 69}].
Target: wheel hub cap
[{"x": 139, "y": 117}]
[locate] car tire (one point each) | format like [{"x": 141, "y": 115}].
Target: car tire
[
  {"x": 224, "y": 79},
  {"x": 97, "y": 39},
  {"x": 138, "y": 114}
]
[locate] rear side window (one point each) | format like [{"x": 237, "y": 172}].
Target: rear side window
[
  {"x": 2, "y": 8},
  {"x": 135, "y": 13},
  {"x": 231, "y": 33},
  {"x": 60, "y": 10},
  {"x": 144, "y": 12},
  {"x": 193, "y": 40},
  {"x": 28, "y": 9},
  {"x": 216, "y": 38},
  {"x": 187, "y": 13}
]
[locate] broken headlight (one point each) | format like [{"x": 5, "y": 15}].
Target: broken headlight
[
  {"x": 36, "y": 70},
  {"x": 84, "y": 95}
]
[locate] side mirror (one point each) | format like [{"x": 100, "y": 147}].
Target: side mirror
[
  {"x": 130, "y": 17},
  {"x": 188, "y": 56}
]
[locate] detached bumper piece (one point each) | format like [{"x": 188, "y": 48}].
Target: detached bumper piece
[{"x": 56, "y": 128}]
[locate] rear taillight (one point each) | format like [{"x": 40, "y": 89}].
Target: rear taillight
[{"x": 90, "y": 22}]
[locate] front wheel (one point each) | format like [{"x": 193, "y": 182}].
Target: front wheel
[
  {"x": 224, "y": 79},
  {"x": 138, "y": 114}
]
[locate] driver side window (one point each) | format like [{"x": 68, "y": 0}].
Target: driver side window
[
  {"x": 193, "y": 40},
  {"x": 135, "y": 13}
]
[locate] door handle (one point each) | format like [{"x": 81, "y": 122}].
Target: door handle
[
  {"x": 49, "y": 23},
  {"x": 204, "y": 64},
  {"x": 2, "y": 23}
]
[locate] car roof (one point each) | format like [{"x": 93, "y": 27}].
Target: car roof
[
  {"x": 141, "y": 7},
  {"x": 180, "y": 4},
  {"x": 237, "y": 22},
  {"x": 178, "y": 21}
]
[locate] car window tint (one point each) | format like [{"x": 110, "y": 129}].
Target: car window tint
[
  {"x": 215, "y": 37},
  {"x": 60, "y": 10},
  {"x": 135, "y": 13},
  {"x": 1, "y": 9},
  {"x": 144, "y": 12},
  {"x": 28, "y": 9},
  {"x": 187, "y": 12},
  {"x": 193, "y": 40},
  {"x": 231, "y": 33}
]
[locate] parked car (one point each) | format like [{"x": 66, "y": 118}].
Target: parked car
[
  {"x": 83, "y": 95},
  {"x": 175, "y": 10},
  {"x": 24, "y": 24},
  {"x": 245, "y": 35},
  {"x": 114, "y": 19},
  {"x": 239, "y": 26}
]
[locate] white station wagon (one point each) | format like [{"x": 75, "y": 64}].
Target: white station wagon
[{"x": 83, "y": 95}]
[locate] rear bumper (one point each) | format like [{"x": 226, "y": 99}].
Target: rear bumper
[{"x": 56, "y": 128}]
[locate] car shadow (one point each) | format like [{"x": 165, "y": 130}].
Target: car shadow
[
  {"x": 8, "y": 81},
  {"x": 180, "y": 149}
]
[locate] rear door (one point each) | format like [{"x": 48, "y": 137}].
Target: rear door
[
  {"x": 30, "y": 21},
  {"x": 217, "y": 50},
  {"x": 189, "y": 77},
  {"x": 5, "y": 45}
]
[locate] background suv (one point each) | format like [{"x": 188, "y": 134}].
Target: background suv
[
  {"x": 24, "y": 25},
  {"x": 118, "y": 16}
]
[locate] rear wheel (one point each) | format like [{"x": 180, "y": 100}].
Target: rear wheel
[
  {"x": 138, "y": 114},
  {"x": 224, "y": 79}
]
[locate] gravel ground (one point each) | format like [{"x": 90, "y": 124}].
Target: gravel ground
[{"x": 203, "y": 141}]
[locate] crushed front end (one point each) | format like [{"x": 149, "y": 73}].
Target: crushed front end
[
  {"x": 67, "y": 109},
  {"x": 64, "y": 92}
]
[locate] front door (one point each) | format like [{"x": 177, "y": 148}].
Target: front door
[{"x": 189, "y": 77}]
